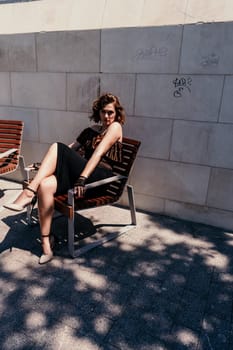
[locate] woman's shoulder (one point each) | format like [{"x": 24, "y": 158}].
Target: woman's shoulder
[
  {"x": 116, "y": 125},
  {"x": 115, "y": 128}
]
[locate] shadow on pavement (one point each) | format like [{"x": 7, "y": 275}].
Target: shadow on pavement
[{"x": 166, "y": 285}]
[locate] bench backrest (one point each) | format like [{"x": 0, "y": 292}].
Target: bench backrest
[
  {"x": 129, "y": 152},
  {"x": 11, "y": 132}
]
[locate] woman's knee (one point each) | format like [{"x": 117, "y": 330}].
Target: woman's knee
[
  {"x": 53, "y": 146},
  {"x": 48, "y": 185}
]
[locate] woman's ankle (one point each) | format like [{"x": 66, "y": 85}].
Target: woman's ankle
[
  {"x": 25, "y": 195},
  {"x": 46, "y": 244},
  {"x": 28, "y": 193}
]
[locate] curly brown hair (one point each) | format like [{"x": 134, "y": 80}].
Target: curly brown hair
[{"x": 104, "y": 100}]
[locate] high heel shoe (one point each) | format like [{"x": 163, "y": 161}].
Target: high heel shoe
[
  {"x": 17, "y": 207},
  {"x": 45, "y": 258}
]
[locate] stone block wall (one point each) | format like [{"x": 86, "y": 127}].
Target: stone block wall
[{"x": 176, "y": 84}]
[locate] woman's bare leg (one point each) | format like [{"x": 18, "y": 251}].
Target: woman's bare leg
[
  {"x": 46, "y": 192},
  {"x": 46, "y": 169}
]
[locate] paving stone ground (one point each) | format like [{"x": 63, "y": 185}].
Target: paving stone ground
[{"x": 165, "y": 285}]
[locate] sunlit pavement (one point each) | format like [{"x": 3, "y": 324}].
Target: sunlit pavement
[{"x": 167, "y": 284}]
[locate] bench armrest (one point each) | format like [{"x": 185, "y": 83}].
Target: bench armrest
[
  {"x": 99, "y": 183},
  {"x": 7, "y": 153},
  {"x": 104, "y": 181}
]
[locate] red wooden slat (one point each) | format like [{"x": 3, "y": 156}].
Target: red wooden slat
[{"x": 10, "y": 137}]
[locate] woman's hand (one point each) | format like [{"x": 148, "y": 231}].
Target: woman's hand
[{"x": 79, "y": 186}]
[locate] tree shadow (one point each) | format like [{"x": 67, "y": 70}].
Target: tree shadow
[
  {"x": 170, "y": 288},
  {"x": 20, "y": 234}
]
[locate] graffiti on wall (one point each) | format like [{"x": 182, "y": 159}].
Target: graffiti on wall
[
  {"x": 150, "y": 53},
  {"x": 210, "y": 60},
  {"x": 181, "y": 85}
]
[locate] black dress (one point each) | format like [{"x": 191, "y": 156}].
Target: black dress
[{"x": 70, "y": 163}]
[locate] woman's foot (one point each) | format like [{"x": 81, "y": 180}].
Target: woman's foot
[
  {"x": 47, "y": 243},
  {"x": 26, "y": 197}
]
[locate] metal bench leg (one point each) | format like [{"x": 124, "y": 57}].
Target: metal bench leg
[
  {"x": 71, "y": 237},
  {"x": 22, "y": 167},
  {"x": 71, "y": 229},
  {"x": 26, "y": 173},
  {"x": 71, "y": 226},
  {"x": 132, "y": 204}
]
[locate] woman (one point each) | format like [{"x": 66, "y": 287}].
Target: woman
[{"x": 88, "y": 159}]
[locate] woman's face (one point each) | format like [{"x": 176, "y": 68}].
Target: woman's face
[{"x": 108, "y": 114}]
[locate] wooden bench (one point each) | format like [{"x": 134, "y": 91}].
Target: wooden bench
[
  {"x": 11, "y": 133},
  {"x": 113, "y": 187}
]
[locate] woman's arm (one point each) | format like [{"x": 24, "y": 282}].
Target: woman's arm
[{"x": 113, "y": 134}]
